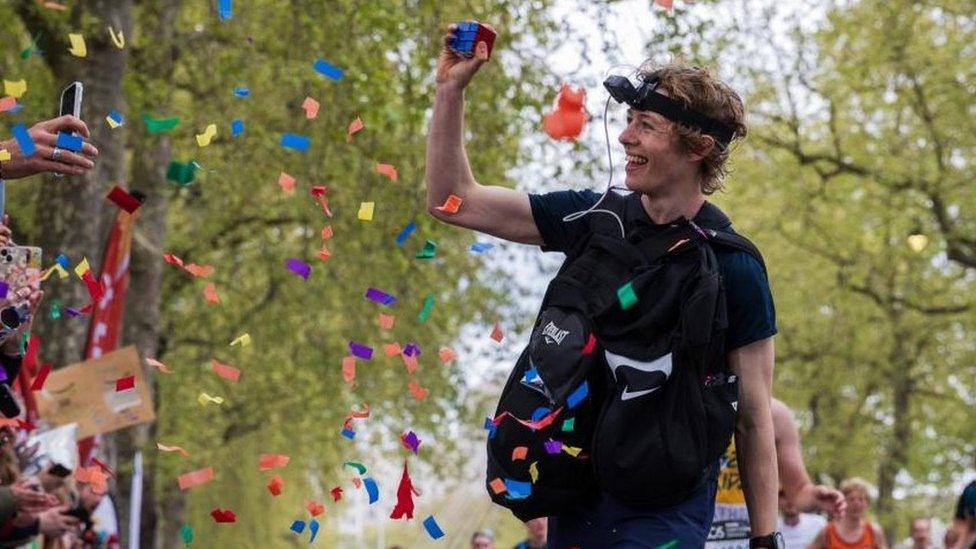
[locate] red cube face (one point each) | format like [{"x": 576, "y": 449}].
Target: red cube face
[
  {"x": 467, "y": 36},
  {"x": 487, "y": 36}
]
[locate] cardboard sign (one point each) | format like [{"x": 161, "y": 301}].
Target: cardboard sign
[{"x": 87, "y": 393}]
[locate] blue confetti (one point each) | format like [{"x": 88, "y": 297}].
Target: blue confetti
[
  {"x": 371, "y": 489},
  {"x": 490, "y": 427},
  {"x": 225, "y": 9},
  {"x": 313, "y": 527},
  {"x": 406, "y": 232},
  {"x": 236, "y": 127},
  {"x": 24, "y": 140},
  {"x": 327, "y": 69},
  {"x": 116, "y": 117},
  {"x": 348, "y": 433},
  {"x": 63, "y": 261},
  {"x": 298, "y": 526},
  {"x": 69, "y": 142},
  {"x": 578, "y": 395},
  {"x": 295, "y": 141},
  {"x": 481, "y": 247},
  {"x": 242, "y": 91},
  {"x": 518, "y": 489},
  {"x": 433, "y": 528}
]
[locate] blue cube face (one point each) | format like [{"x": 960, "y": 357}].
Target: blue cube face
[{"x": 468, "y": 26}]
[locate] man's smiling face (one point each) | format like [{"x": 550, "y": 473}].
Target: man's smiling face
[{"x": 652, "y": 154}]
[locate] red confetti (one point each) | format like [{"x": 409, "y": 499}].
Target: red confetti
[
  {"x": 388, "y": 170},
  {"x": 354, "y": 127},
  {"x": 336, "y": 493},
  {"x": 124, "y": 200},
  {"x": 267, "y": 462},
  {"x": 125, "y": 383},
  {"x": 314, "y": 508},
  {"x": 404, "y": 493},
  {"x": 275, "y": 485},
  {"x": 195, "y": 478},
  {"x": 223, "y": 515},
  {"x": 225, "y": 371},
  {"x": 38, "y": 383}
]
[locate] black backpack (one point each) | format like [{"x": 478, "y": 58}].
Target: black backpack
[{"x": 632, "y": 398}]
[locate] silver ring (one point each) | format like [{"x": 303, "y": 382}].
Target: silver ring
[{"x": 56, "y": 154}]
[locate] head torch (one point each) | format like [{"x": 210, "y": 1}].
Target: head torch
[{"x": 645, "y": 98}]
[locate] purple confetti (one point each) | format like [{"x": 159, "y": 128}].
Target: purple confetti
[
  {"x": 553, "y": 446},
  {"x": 359, "y": 350},
  {"x": 3, "y": 374},
  {"x": 412, "y": 441},
  {"x": 4, "y": 288},
  {"x": 411, "y": 349},
  {"x": 379, "y": 296},
  {"x": 72, "y": 311},
  {"x": 298, "y": 267}
]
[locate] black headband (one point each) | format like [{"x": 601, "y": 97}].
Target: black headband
[{"x": 646, "y": 98}]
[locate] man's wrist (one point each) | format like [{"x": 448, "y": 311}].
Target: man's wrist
[{"x": 449, "y": 91}]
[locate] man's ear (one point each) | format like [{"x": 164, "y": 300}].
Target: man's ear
[{"x": 706, "y": 145}]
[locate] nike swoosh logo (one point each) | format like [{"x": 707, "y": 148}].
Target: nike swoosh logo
[{"x": 627, "y": 395}]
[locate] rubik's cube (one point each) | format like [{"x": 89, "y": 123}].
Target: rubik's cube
[{"x": 468, "y": 34}]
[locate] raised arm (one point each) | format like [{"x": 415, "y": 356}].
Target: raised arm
[{"x": 494, "y": 210}]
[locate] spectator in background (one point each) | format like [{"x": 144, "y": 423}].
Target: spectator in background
[
  {"x": 962, "y": 532},
  {"x": 798, "y": 529},
  {"x": 48, "y": 157},
  {"x": 852, "y": 530},
  {"x": 536, "y": 529},
  {"x": 920, "y": 534},
  {"x": 483, "y": 539}
]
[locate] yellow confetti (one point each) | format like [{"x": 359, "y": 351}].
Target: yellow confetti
[
  {"x": 111, "y": 122},
  {"x": 78, "y": 48},
  {"x": 82, "y": 268},
  {"x": 62, "y": 274},
  {"x": 534, "y": 471},
  {"x": 208, "y": 134},
  {"x": 205, "y": 399},
  {"x": 4, "y": 155},
  {"x": 118, "y": 40},
  {"x": 572, "y": 450},
  {"x": 366, "y": 211},
  {"x": 15, "y": 88},
  {"x": 243, "y": 339}
]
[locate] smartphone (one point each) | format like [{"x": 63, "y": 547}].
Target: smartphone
[{"x": 71, "y": 98}]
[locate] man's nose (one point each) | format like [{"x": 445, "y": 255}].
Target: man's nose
[{"x": 627, "y": 136}]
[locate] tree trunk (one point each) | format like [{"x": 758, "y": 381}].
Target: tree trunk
[{"x": 895, "y": 457}]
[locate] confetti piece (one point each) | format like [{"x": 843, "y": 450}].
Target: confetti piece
[
  {"x": 411, "y": 349},
  {"x": 497, "y": 486},
  {"x": 24, "y": 140},
  {"x": 392, "y": 349},
  {"x": 225, "y": 371},
  {"x": 311, "y": 108},
  {"x": 266, "y": 462},
  {"x": 177, "y": 449},
  {"x": 78, "y": 48},
  {"x": 298, "y": 267},
  {"x": 534, "y": 424},
  {"x": 38, "y": 383},
  {"x": 406, "y": 232},
  {"x": 496, "y": 332},
  {"x": 117, "y": 39},
  {"x": 207, "y": 136},
  {"x": 236, "y": 127},
  {"x": 672, "y": 544},
  {"x": 200, "y": 271},
  {"x": 4, "y": 288},
  {"x": 124, "y": 200},
  {"x": 326, "y": 232},
  {"x": 553, "y": 446},
  {"x": 404, "y": 504},
  {"x": 298, "y": 526},
  {"x": 354, "y": 126},
  {"x": 242, "y": 91},
  {"x": 325, "y": 68},
  {"x": 186, "y": 532},
  {"x": 313, "y": 527},
  {"x": 534, "y": 471},
  {"x": 411, "y": 441},
  {"x": 223, "y": 515},
  {"x": 69, "y": 142},
  {"x": 590, "y": 345},
  {"x": 7, "y": 103},
  {"x": 451, "y": 205},
  {"x": 433, "y": 529},
  {"x": 314, "y": 508},
  {"x": 159, "y": 125},
  {"x": 427, "y": 308},
  {"x": 225, "y": 9},
  {"x": 411, "y": 363},
  {"x": 568, "y": 425},
  {"x": 371, "y": 489},
  {"x": 626, "y": 296},
  {"x": 324, "y": 254},
  {"x": 348, "y": 369},
  {"x": 366, "y": 211},
  {"x": 429, "y": 251},
  {"x": 519, "y": 452},
  {"x": 578, "y": 395},
  {"x": 379, "y": 296},
  {"x": 348, "y": 433},
  {"x": 243, "y": 340},
  {"x": 417, "y": 391},
  {"x": 159, "y": 365},
  {"x": 196, "y": 478},
  {"x": 205, "y": 399},
  {"x": 4, "y": 155},
  {"x": 359, "y": 350},
  {"x": 336, "y": 493},
  {"x": 286, "y": 182},
  {"x": 386, "y": 321},
  {"x": 94, "y": 476},
  {"x": 210, "y": 293},
  {"x": 572, "y": 450},
  {"x": 181, "y": 173},
  {"x": 275, "y": 485},
  {"x": 357, "y": 465},
  {"x": 446, "y": 354},
  {"x": 125, "y": 383},
  {"x": 15, "y": 88},
  {"x": 295, "y": 142},
  {"x": 388, "y": 170},
  {"x": 666, "y": 4}
]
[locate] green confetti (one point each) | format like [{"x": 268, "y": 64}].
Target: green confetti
[
  {"x": 626, "y": 296},
  {"x": 180, "y": 173},
  {"x": 669, "y": 545},
  {"x": 428, "y": 307},
  {"x": 159, "y": 125},
  {"x": 429, "y": 251},
  {"x": 187, "y": 534},
  {"x": 569, "y": 424},
  {"x": 55, "y": 309},
  {"x": 357, "y": 465}
]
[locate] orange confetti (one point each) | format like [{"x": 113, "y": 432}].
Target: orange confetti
[
  {"x": 177, "y": 449},
  {"x": 349, "y": 369},
  {"x": 354, "y": 127},
  {"x": 519, "y": 452},
  {"x": 326, "y": 232},
  {"x": 497, "y": 486},
  {"x": 357, "y": 482},
  {"x": 92, "y": 475},
  {"x": 666, "y": 4},
  {"x": 410, "y": 362},
  {"x": 496, "y": 332},
  {"x": 275, "y": 485},
  {"x": 446, "y": 354},
  {"x": 158, "y": 365},
  {"x": 324, "y": 254},
  {"x": 451, "y": 205},
  {"x": 314, "y": 508},
  {"x": 387, "y": 170},
  {"x": 266, "y": 462},
  {"x": 287, "y": 183},
  {"x": 225, "y": 371},
  {"x": 195, "y": 478},
  {"x": 417, "y": 391},
  {"x": 200, "y": 271},
  {"x": 386, "y": 321},
  {"x": 391, "y": 349},
  {"x": 210, "y": 293}
]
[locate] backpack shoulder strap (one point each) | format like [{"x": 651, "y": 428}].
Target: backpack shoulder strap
[{"x": 735, "y": 241}]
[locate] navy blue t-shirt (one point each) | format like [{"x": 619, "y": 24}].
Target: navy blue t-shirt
[{"x": 752, "y": 316}]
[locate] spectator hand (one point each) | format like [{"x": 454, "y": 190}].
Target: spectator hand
[
  {"x": 45, "y": 136},
  {"x": 30, "y": 501},
  {"x": 55, "y": 523},
  {"x": 829, "y": 500},
  {"x": 33, "y": 296}
]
